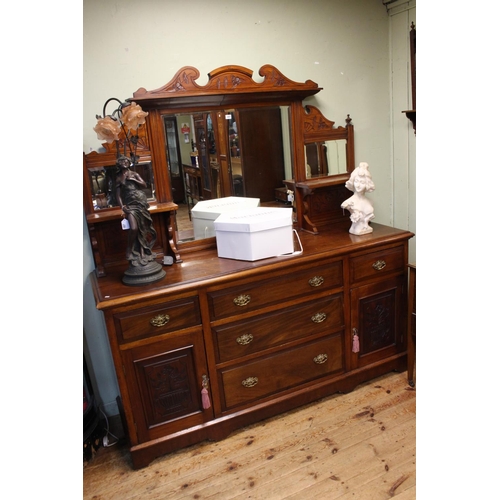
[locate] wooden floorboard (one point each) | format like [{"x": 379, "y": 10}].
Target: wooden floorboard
[{"x": 357, "y": 445}]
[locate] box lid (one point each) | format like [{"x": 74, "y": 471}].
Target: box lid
[
  {"x": 211, "y": 209},
  {"x": 254, "y": 219}
]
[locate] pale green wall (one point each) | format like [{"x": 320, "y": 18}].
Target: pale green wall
[
  {"x": 403, "y": 138},
  {"x": 342, "y": 45}
]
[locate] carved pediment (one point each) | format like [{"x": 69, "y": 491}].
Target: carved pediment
[{"x": 224, "y": 85}]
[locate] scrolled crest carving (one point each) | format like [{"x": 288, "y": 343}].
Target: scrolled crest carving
[{"x": 225, "y": 78}]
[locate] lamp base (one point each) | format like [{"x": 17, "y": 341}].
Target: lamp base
[{"x": 143, "y": 275}]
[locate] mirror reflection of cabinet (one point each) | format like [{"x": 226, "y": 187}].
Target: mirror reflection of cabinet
[
  {"x": 193, "y": 189},
  {"x": 325, "y": 158},
  {"x": 201, "y": 133},
  {"x": 251, "y": 146},
  {"x": 174, "y": 158},
  {"x": 316, "y": 160},
  {"x": 263, "y": 168},
  {"x": 214, "y": 166}
]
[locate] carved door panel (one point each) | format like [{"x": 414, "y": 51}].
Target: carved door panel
[
  {"x": 165, "y": 381},
  {"x": 377, "y": 318}
]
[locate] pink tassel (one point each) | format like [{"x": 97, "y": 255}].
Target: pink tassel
[
  {"x": 355, "y": 343},
  {"x": 205, "y": 399}
]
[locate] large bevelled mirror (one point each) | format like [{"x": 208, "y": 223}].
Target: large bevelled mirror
[{"x": 252, "y": 144}]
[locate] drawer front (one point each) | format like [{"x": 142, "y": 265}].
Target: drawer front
[
  {"x": 377, "y": 263},
  {"x": 161, "y": 318},
  {"x": 246, "y": 337},
  {"x": 274, "y": 374},
  {"x": 241, "y": 299}
]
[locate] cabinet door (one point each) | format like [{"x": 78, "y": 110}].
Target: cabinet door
[
  {"x": 165, "y": 382},
  {"x": 378, "y": 319}
]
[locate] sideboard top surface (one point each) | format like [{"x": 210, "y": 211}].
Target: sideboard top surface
[{"x": 205, "y": 268}]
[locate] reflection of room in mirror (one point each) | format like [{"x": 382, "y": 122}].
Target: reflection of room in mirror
[
  {"x": 325, "y": 158},
  {"x": 185, "y": 230},
  {"x": 103, "y": 181}
]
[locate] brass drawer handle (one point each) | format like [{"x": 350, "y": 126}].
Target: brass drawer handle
[
  {"x": 316, "y": 281},
  {"x": 379, "y": 265},
  {"x": 318, "y": 317},
  {"x": 320, "y": 359},
  {"x": 249, "y": 382},
  {"x": 242, "y": 300},
  {"x": 245, "y": 339},
  {"x": 160, "y": 320}
]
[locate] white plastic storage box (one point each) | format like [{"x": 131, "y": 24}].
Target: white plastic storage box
[
  {"x": 254, "y": 233},
  {"x": 204, "y": 213}
]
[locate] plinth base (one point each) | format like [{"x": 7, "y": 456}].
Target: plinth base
[{"x": 143, "y": 275}]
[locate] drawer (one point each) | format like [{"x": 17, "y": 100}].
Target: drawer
[
  {"x": 161, "y": 318},
  {"x": 246, "y": 337},
  {"x": 283, "y": 371},
  {"x": 378, "y": 263},
  {"x": 251, "y": 296}
]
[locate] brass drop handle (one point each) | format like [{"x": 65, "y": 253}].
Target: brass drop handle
[
  {"x": 242, "y": 300},
  {"x": 245, "y": 339},
  {"x": 379, "y": 265},
  {"x": 316, "y": 281},
  {"x": 159, "y": 320},
  {"x": 318, "y": 317},
  {"x": 250, "y": 382},
  {"x": 320, "y": 359}
]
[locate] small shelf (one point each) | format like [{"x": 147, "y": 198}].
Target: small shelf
[
  {"x": 411, "y": 114},
  {"x": 116, "y": 212}
]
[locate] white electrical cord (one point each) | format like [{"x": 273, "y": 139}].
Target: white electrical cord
[
  {"x": 105, "y": 439},
  {"x": 296, "y": 252}
]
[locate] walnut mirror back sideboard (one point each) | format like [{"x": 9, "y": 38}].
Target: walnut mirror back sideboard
[{"x": 218, "y": 344}]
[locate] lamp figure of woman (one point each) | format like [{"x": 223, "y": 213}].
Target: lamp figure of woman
[
  {"x": 133, "y": 201},
  {"x": 358, "y": 204}
]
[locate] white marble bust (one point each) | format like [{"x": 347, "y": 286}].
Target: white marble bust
[{"x": 358, "y": 204}]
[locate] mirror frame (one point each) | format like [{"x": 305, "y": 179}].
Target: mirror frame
[
  {"x": 318, "y": 200},
  {"x": 316, "y": 128},
  {"x": 227, "y": 87}
]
